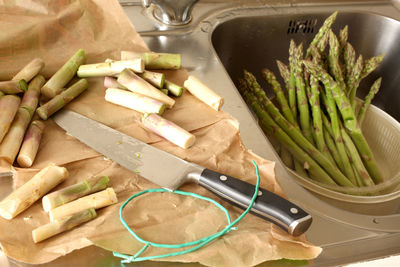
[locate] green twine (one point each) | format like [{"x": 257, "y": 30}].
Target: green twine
[{"x": 195, "y": 245}]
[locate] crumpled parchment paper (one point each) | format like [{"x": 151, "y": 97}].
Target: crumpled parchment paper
[{"x": 54, "y": 30}]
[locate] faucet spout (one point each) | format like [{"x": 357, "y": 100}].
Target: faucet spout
[{"x": 172, "y": 12}]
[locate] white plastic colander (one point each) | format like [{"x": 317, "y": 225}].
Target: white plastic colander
[{"x": 383, "y": 136}]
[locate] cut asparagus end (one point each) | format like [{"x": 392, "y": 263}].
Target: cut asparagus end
[
  {"x": 30, "y": 145},
  {"x": 13, "y": 87},
  {"x": 64, "y": 74},
  {"x": 30, "y": 70},
  {"x": 63, "y": 224},
  {"x": 96, "y": 201},
  {"x": 137, "y": 85},
  {"x": 203, "y": 92},
  {"x": 110, "y": 68},
  {"x": 173, "y": 88},
  {"x": 155, "y": 78},
  {"x": 23, "y": 197},
  {"x": 111, "y": 82},
  {"x": 168, "y": 130},
  {"x": 59, "y": 101},
  {"x": 75, "y": 191},
  {"x": 8, "y": 109},
  {"x": 162, "y": 61},
  {"x": 131, "y": 100}
]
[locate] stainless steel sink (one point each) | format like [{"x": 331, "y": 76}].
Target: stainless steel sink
[
  {"x": 224, "y": 37},
  {"x": 255, "y": 42}
]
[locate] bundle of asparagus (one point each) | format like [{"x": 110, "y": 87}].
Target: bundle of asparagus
[{"x": 318, "y": 120}]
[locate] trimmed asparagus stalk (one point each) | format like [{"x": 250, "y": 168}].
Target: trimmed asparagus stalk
[
  {"x": 270, "y": 126},
  {"x": 30, "y": 144},
  {"x": 137, "y": 85},
  {"x": 298, "y": 137},
  {"x": 168, "y": 130},
  {"x": 165, "y": 91},
  {"x": 280, "y": 95},
  {"x": 75, "y": 191},
  {"x": 13, "y": 87},
  {"x": 59, "y": 101},
  {"x": 110, "y": 68},
  {"x": 203, "y": 92},
  {"x": 164, "y": 61},
  {"x": 131, "y": 100},
  {"x": 302, "y": 103},
  {"x": 63, "y": 224},
  {"x": 349, "y": 120},
  {"x": 8, "y": 109},
  {"x": 97, "y": 200},
  {"x": 23, "y": 197},
  {"x": 292, "y": 79},
  {"x": 173, "y": 88},
  {"x": 322, "y": 31},
  {"x": 30, "y": 99},
  {"x": 359, "y": 168},
  {"x": 12, "y": 141},
  {"x": 63, "y": 75},
  {"x": 157, "y": 79},
  {"x": 30, "y": 70},
  {"x": 111, "y": 82},
  {"x": 368, "y": 99}
]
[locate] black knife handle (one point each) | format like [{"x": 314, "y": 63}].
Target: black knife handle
[{"x": 268, "y": 205}]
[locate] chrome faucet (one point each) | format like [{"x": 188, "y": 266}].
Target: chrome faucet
[{"x": 172, "y": 12}]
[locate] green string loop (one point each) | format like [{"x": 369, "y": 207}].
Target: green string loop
[{"x": 195, "y": 245}]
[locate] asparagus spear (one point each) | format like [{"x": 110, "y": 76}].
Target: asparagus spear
[
  {"x": 334, "y": 60},
  {"x": 131, "y": 100},
  {"x": 271, "y": 127},
  {"x": 343, "y": 36},
  {"x": 161, "y": 61},
  {"x": 368, "y": 99},
  {"x": 136, "y": 84},
  {"x": 23, "y": 197},
  {"x": 59, "y": 101},
  {"x": 155, "y": 78},
  {"x": 322, "y": 31},
  {"x": 110, "y": 68},
  {"x": 30, "y": 70},
  {"x": 30, "y": 144},
  {"x": 30, "y": 99},
  {"x": 292, "y": 78},
  {"x": 349, "y": 119},
  {"x": 63, "y": 75},
  {"x": 297, "y": 136},
  {"x": 12, "y": 141},
  {"x": 349, "y": 58},
  {"x": 173, "y": 88},
  {"x": 286, "y": 157},
  {"x": 203, "y": 92},
  {"x": 8, "y": 109},
  {"x": 370, "y": 65},
  {"x": 359, "y": 168},
  {"x": 13, "y": 87},
  {"x": 96, "y": 201},
  {"x": 168, "y": 130},
  {"x": 354, "y": 80},
  {"x": 75, "y": 191},
  {"x": 63, "y": 224},
  {"x": 302, "y": 102},
  {"x": 280, "y": 96}
]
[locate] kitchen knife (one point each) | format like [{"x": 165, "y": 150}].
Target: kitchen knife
[{"x": 170, "y": 172}]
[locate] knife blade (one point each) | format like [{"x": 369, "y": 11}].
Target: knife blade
[{"x": 170, "y": 172}]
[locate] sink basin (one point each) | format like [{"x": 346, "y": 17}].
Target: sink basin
[{"x": 254, "y": 43}]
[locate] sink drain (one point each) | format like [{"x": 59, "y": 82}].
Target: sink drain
[{"x": 301, "y": 26}]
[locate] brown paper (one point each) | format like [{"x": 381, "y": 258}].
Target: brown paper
[{"x": 54, "y": 30}]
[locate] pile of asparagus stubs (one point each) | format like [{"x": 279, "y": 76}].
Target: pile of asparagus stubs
[
  {"x": 21, "y": 120},
  {"x": 318, "y": 121}
]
